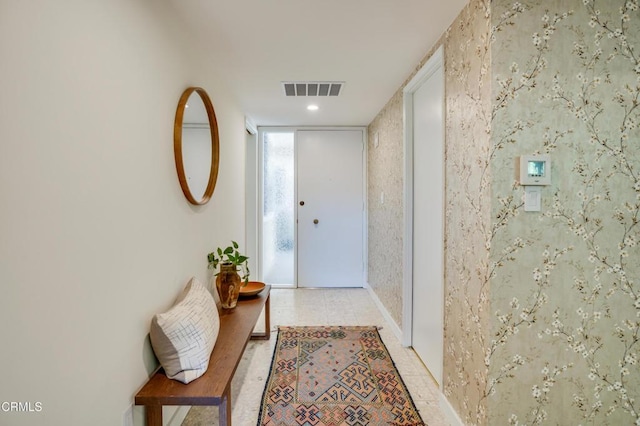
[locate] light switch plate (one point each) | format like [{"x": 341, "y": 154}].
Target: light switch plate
[{"x": 532, "y": 198}]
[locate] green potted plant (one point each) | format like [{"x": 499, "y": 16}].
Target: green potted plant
[{"x": 228, "y": 281}]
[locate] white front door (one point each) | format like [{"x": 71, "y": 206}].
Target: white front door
[
  {"x": 330, "y": 208},
  {"x": 428, "y": 219}
]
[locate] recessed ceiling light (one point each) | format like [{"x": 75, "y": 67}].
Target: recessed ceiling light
[{"x": 312, "y": 107}]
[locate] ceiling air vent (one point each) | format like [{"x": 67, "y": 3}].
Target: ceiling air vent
[{"x": 312, "y": 88}]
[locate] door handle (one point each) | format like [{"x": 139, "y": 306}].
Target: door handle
[
  {"x": 302, "y": 203},
  {"x": 315, "y": 221}
]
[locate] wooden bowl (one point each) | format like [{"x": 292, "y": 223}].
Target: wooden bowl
[{"x": 251, "y": 289}]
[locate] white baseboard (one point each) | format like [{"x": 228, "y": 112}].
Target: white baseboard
[
  {"x": 177, "y": 417},
  {"x": 394, "y": 326},
  {"x": 450, "y": 414}
]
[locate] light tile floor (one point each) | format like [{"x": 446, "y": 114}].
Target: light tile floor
[{"x": 318, "y": 307}]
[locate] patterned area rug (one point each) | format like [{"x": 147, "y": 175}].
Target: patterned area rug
[{"x": 330, "y": 376}]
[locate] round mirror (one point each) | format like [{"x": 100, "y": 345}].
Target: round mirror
[{"x": 196, "y": 145}]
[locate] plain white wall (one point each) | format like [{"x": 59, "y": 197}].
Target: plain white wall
[{"x": 95, "y": 233}]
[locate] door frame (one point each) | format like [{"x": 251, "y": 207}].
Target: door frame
[
  {"x": 433, "y": 64},
  {"x": 260, "y": 211},
  {"x": 251, "y": 193}
]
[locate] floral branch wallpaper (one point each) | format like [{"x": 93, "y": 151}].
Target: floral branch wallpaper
[
  {"x": 385, "y": 226},
  {"x": 542, "y": 309},
  {"x": 468, "y": 223},
  {"x": 565, "y": 298}
]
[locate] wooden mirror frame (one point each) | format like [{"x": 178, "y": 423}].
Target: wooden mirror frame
[{"x": 215, "y": 145}]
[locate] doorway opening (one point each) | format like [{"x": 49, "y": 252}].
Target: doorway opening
[
  {"x": 423, "y": 312},
  {"x": 312, "y": 206}
]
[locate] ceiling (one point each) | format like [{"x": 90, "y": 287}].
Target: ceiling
[{"x": 370, "y": 45}]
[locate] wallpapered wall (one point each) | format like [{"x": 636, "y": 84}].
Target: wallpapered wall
[
  {"x": 542, "y": 309},
  {"x": 385, "y": 169},
  {"x": 468, "y": 223},
  {"x": 385, "y": 228},
  {"x": 565, "y": 298}
]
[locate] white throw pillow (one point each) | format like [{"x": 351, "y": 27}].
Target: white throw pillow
[{"x": 183, "y": 337}]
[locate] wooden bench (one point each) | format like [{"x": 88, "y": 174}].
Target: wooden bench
[{"x": 214, "y": 386}]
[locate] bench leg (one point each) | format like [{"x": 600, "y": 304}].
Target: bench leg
[
  {"x": 267, "y": 318},
  {"x": 267, "y": 323},
  {"x": 154, "y": 415},
  {"x": 224, "y": 409}
]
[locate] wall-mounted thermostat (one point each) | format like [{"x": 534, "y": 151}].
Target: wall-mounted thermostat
[{"x": 535, "y": 170}]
